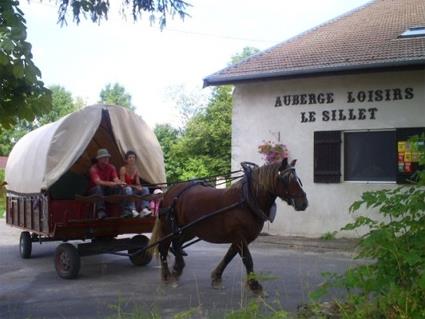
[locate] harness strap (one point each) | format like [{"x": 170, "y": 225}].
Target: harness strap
[
  {"x": 247, "y": 196},
  {"x": 172, "y": 218},
  {"x": 247, "y": 192}
]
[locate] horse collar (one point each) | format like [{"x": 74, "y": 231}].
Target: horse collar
[{"x": 251, "y": 202}]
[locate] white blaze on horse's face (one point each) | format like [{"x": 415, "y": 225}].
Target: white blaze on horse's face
[{"x": 293, "y": 192}]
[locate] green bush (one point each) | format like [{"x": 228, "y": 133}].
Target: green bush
[{"x": 392, "y": 285}]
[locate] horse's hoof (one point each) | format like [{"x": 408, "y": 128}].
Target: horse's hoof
[
  {"x": 255, "y": 287},
  {"x": 261, "y": 295},
  {"x": 217, "y": 284},
  {"x": 174, "y": 283}
]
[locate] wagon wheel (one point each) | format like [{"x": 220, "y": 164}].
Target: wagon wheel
[
  {"x": 25, "y": 245},
  {"x": 67, "y": 261},
  {"x": 142, "y": 258}
]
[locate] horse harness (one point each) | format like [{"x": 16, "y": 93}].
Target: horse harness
[
  {"x": 247, "y": 198},
  {"x": 176, "y": 231},
  {"x": 247, "y": 192}
]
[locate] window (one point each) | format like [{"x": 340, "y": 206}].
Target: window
[
  {"x": 413, "y": 32},
  {"x": 367, "y": 156},
  {"x": 370, "y": 156}
]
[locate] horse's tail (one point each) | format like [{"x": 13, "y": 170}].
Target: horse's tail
[{"x": 157, "y": 234}]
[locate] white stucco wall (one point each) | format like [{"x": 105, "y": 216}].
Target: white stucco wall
[{"x": 255, "y": 118}]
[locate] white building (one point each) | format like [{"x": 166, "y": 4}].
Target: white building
[{"x": 344, "y": 97}]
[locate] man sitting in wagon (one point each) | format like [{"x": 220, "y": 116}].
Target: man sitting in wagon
[{"x": 104, "y": 181}]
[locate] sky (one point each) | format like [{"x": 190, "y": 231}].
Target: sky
[{"x": 150, "y": 63}]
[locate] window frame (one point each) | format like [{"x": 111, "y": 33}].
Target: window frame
[{"x": 319, "y": 172}]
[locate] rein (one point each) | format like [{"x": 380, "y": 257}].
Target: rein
[{"x": 210, "y": 178}]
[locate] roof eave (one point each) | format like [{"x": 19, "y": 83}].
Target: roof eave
[{"x": 215, "y": 80}]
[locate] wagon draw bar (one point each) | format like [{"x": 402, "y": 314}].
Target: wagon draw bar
[{"x": 181, "y": 230}]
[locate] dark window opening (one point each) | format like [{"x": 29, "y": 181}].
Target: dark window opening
[{"x": 370, "y": 156}]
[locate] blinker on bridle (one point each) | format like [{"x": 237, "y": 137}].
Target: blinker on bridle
[{"x": 285, "y": 177}]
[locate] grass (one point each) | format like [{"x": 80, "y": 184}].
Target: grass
[
  {"x": 328, "y": 236},
  {"x": 2, "y": 195},
  {"x": 250, "y": 307},
  {"x": 257, "y": 308}
]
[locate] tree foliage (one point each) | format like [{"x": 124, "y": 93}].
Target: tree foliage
[
  {"x": 97, "y": 10},
  {"x": 116, "y": 95},
  {"x": 206, "y": 140},
  {"x": 392, "y": 285},
  {"x": 203, "y": 147},
  {"x": 22, "y": 93},
  {"x": 246, "y": 53},
  {"x": 187, "y": 101},
  {"x": 167, "y": 137},
  {"x": 62, "y": 104}
]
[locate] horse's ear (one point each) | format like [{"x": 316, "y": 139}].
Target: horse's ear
[
  {"x": 293, "y": 162},
  {"x": 284, "y": 164}
]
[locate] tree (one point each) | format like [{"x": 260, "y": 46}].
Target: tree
[
  {"x": 203, "y": 147},
  {"x": 187, "y": 101},
  {"x": 167, "y": 137},
  {"x": 246, "y": 53},
  {"x": 158, "y": 10},
  {"x": 22, "y": 93},
  {"x": 62, "y": 104},
  {"x": 9, "y": 137},
  {"x": 116, "y": 95},
  {"x": 207, "y": 137},
  {"x": 206, "y": 140}
]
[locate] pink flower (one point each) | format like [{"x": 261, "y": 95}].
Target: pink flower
[{"x": 273, "y": 152}]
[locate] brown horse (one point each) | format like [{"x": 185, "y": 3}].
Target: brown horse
[{"x": 235, "y": 215}]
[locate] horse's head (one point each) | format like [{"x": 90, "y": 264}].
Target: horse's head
[{"x": 290, "y": 187}]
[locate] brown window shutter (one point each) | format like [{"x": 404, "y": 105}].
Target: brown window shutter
[{"x": 327, "y": 157}]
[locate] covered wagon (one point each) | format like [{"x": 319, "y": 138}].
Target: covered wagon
[{"x": 47, "y": 181}]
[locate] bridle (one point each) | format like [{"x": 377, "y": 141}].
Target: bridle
[{"x": 285, "y": 176}]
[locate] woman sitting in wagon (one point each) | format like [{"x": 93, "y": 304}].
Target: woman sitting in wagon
[{"x": 131, "y": 177}]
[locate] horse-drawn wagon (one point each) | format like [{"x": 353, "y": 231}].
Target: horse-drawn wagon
[{"x": 47, "y": 179}]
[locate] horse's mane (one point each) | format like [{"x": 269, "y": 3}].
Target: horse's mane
[{"x": 264, "y": 178}]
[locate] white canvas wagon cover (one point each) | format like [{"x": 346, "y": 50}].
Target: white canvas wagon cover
[{"x": 41, "y": 157}]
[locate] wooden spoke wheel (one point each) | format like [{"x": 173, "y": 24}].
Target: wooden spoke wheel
[
  {"x": 67, "y": 261},
  {"x": 141, "y": 257},
  {"x": 25, "y": 245}
]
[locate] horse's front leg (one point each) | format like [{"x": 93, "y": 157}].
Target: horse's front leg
[
  {"x": 218, "y": 271},
  {"x": 245, "y": 254},
  {"x": 179, "y": 260},
  {"x": 163, "y": 252}
]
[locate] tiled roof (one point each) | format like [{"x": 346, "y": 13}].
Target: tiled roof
[{"x": 365, "y": 38}]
